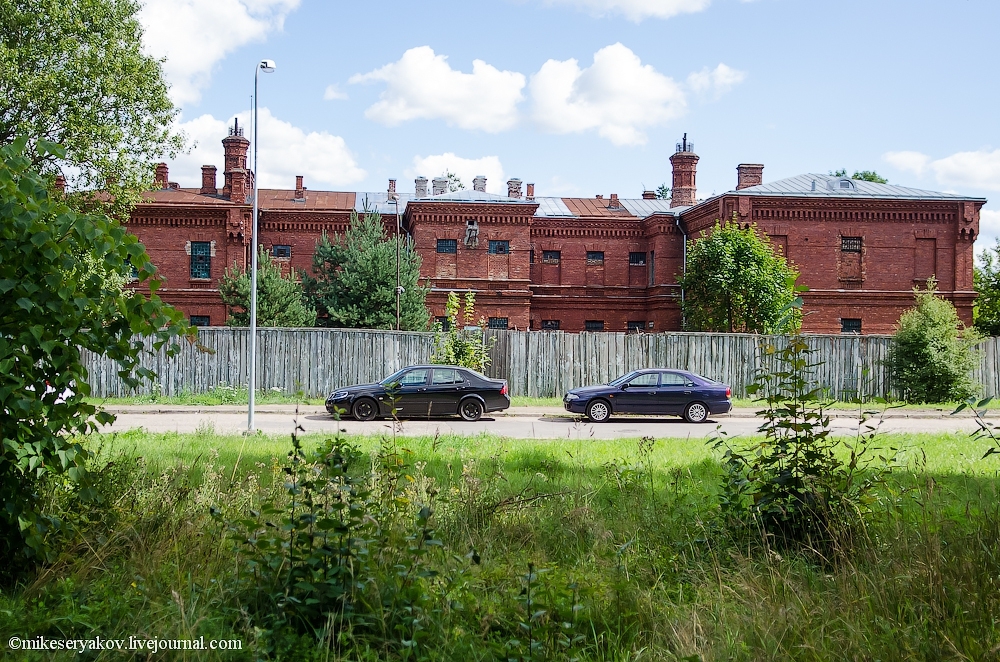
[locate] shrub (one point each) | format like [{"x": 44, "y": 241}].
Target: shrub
[
  {"x": 933, "y": 352},
  {"x": 463, "y": 345}
]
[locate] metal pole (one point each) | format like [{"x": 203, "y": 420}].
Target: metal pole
[
  {"x": 395, "y": 201},
  {"x": 252, "y": 380}
]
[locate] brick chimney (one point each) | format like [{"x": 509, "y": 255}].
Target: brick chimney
[
  {"x": 300, "y": 189},
  {"x": 531, "y": 192},
  {"x": 685, "y": 166},
  {"x": 235, "y": 147},
  {"x": 60, "y": 183},
  {"x": 420, "y": 187},
  {"x": 514, "y": 188},
  {"x": 749, "y": 174},
  {"x": 439, "y": 185},
  {"x": 649, "y": 195},
  {"x": 479, "y": 183},
  {"x": 161, "y": 176},
  {"x": 208, "y": 180},
  {"x": 392, "y": 189},
  {"x": 614, "y": 204}
]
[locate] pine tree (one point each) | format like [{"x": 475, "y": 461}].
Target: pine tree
[
  {"x": 280, "y": 299},
  {"x": 355, "y": 279}
]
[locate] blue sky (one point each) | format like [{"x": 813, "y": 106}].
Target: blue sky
[{"x": 584, "y": 97}]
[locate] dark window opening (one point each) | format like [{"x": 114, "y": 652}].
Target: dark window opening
[
  {"x": 201, "y": 320},
  {"x": 848, "y": 325},
  {"x": 201, "y": 259},
  {"x": 444, "y": 322},
  {"x": 447, "y": 245},
  {"x": 850, "y": 244},
  {"x": 636, "y": 259},
  {"x": 499, "y": 247},
  {"x": 550, "y": 325},
  {"x": 636, "y": 327},
  {"x": 531, "y": 256},
  {"x": 593, "y": 325},
  {"x": 595, "y": 257},
  {"x": 281, "y": 251},
  {"x": 551, "y": 257},
  {"x": 497, "y": 323}
]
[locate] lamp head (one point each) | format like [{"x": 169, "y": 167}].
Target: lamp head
[{"x": 267, "y": 66}]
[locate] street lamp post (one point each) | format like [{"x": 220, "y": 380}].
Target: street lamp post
[
  {"x": 399, "y": 289},
  {"x": 267, "y": 66}
]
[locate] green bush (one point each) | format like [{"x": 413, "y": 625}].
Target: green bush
[
  {"x": 461, "y": 345},
  {"x": 933, "y": 352}
]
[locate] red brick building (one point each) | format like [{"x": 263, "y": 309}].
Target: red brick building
[{"x": 582, "y": 263}]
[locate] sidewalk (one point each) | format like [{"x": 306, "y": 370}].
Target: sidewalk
[{"x": 519, "y": 412}]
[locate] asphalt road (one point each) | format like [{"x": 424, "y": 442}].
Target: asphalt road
[{"x": 534, "y": 424}]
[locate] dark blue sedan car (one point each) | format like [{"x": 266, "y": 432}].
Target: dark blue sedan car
[{"x": 652, "y": 391}]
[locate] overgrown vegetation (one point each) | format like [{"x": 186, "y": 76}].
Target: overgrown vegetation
[
  {"x": 986, "y": 275},
  {"x": 461, "y": 343},
  {"x": 280, "y": 299},
  {"x": 933, "y": 352}
]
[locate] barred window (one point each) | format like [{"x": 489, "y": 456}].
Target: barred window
[
  {"x": 550, "y": 325},
  {"x": 593, "y": 325},
  {"x": 447, "y": 245},
  {"x": 551, "y": 257},
  {"x": 201, "y": 320},
  {"x": 636, "y": 259},
  {"x": 850, "y": 244},
  {"x": 497, "y": 323},
  {"x": 499, "y": 247},
  {"x": 595, "y": 257},
  {"x": 281, "y": 251},
  {"x": 444, "y": 322},
  {"x": 201, "y": 259},
  {"x": 848, "y": 325},
  {"x": 636, "y": 327}
]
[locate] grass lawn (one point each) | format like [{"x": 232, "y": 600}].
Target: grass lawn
[{"x": 594, "y": 550}]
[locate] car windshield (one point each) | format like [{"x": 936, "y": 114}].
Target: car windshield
[
  {"x": 393, "y": 378},
  {"x": 624, "y": 378}
]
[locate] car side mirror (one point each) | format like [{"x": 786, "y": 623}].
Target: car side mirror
[{"x": 623, "y": 387}]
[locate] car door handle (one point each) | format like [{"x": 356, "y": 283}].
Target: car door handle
[
  {"x": 687, "y": 392},
  {"x": 421, "y": 390}
]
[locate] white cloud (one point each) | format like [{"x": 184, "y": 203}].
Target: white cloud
[
  {"x": 636, "y": 10},
  {"x": 194, "y": 35},
  {"x": 438, "y": 164},
  {"x": 617, "y": 96},
  {"x": 977, "y": 170},
  {"x": 422, "y": 85},
  {"x": 333, "y": 92},
  {"x": 715, "y": 82},
  {"x": 989, "y": 228},
  {"x": 285, "y": 151}
]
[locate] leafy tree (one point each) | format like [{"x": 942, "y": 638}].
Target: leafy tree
[
  {"x": 662, "y": 192},
  {"x": 862, "y": 175},
  {"x": 355, "y": 279},
  {"x": 73, "y": 72},
  {"x": 987, "y": 283},
  {"x": 464, "y": 344},
  {"x": 932, "y": 352},
  {"x": 454, "y": 182},
  {"x": 280, "y": 299},
  {"x": 736, "y": 283},
  {"x": 52, "y": 305}
]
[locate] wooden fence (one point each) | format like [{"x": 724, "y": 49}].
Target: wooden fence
[{"x": 536, "y": 363}]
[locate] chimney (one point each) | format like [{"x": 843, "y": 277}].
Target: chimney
[
  {"x": 439, "y": 185},
  {"x": 161, "y": 175},
  {"x": 614, "y": 202},
  {"x": 392, "y": 189},
  {"x": 235, "y": 147},
  {"x": 300, "y": 190},
  {"x": 479, "y": 183},
  {"x": 685, "y": 165},
  {"x": 649, "y": 195},
  {"x": 749, "y": 174},
  {"x": 60, "y": 183},
  {"x": 420, "y": 187},
  {"x": 173, "y": 186},
  {"x": 514, "y": 188},
  {"x": 208, "y": 180},
  {"x": 531, "y": 192},
  {"x": 599, "y": 196}
]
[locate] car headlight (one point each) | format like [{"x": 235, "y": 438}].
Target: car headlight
[
  {"x": 571, "y": 396},
  {"x": 338, "y": 395}
]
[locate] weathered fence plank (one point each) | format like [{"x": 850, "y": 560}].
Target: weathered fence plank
[{"x": 535, "y": 363}]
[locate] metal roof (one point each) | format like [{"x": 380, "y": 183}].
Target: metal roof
[
  {"x": 379, "y": 202},
  {"x": 643, "y": 208},
  {"x": 552, "y": 207},
  {"x": 827, "y": 186},
  {"x": 466, "y": 195}
]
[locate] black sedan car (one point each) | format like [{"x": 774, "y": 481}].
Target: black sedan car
[
  {"x": 652, "y": 391},
  {"x": 423, "y": 391}
]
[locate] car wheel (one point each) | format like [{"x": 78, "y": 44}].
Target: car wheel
[
  {"x": 470, "y": 409},
  {"x": 696, "y": 412},
  {"x": 599, "y": 411},
  {"x": 365, "y": 409}
]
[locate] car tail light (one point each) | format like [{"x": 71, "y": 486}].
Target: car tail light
[
  {"x": 503, "y": 389},
  {"x": 729, "y": 392}
]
